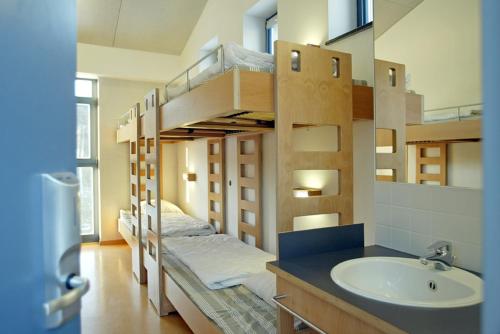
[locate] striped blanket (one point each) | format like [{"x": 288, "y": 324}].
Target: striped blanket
[{"x": 235, "y": 310}]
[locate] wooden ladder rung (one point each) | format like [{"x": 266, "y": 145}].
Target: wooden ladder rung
[
  {"x": 217, "y": 197},
  {"x": 215, "y": 215},
  {"x": 247, "y": 228},
  {"x": 430, "y": 177},
  {"x": 247, "y": 159},
  {"x": 430, "y": 161},
  {"x": 318, "y": 205},
  {"x": 320, "y": 160},
  {"x": 248, "y": 206},
  {"x": 247, "y": 182}
]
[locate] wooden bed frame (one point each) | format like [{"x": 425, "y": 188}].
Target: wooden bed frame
[{"x": 248, "y": 104}]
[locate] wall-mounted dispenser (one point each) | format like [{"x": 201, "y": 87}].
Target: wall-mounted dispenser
[{"x": 61, "y": 232}]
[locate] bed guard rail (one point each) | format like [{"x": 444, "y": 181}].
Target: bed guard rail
[
  {"x": 126, "y": 117},
  {"x": 218, "y": 51}
]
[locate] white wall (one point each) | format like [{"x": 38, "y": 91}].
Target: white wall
[
  {"x": 115, "y": 98},
  {"x": 220, "y": 18},
  {"x": 170, "y": 173},
  {"x": 107, "y": 62},
  {"x": 304, "y": 22},
  {"x": 344, "y": 17},
  {"x": 192, "y": 197},
  {"x": 439, "y": 42},
  {"x": 254, "y": 33},
  {"x": 410, "y": 217}
]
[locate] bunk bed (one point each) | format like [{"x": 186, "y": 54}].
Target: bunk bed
[{"x": 310, "y": 87}]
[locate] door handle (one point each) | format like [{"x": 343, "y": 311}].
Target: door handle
[{"x": 78, "y": 287}]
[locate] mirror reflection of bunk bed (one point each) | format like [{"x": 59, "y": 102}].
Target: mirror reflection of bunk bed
[
  {"x": 402, "y": 122},
  {"x": 307, "y": 87}
]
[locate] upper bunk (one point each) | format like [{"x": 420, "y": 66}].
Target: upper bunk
[{"x": 235, "y": 94}]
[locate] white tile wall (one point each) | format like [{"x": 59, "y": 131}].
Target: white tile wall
[{"x": 409, "y": 217}]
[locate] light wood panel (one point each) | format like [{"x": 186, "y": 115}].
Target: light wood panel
[
  {"x": 192, "y": 315},
  {"x": 136, "y": 195},
  {"x": 414, "y": 108},
  {"x": 216, "y": 157},
  {"x": 153, "y": 192},
  {"x": 313, "y": 96},
  {"x": 254, "y": 183},
  {"x": 230, "y": 93},
  {"x": 330, "y": 319},
  {"x": 445, "y": 132},
  {"x": 362, "y": 102},
  {"x": 336, "y": 315},
  {"x": 422, "y": 161},
  {"x": 390, "y": 109}
]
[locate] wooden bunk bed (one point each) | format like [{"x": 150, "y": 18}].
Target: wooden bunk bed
[{"x": 316, "y": 91}]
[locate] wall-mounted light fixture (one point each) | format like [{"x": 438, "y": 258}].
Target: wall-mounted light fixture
[
  {"x": 306, "y": 192},
  {"x": 189, "y": 177}
]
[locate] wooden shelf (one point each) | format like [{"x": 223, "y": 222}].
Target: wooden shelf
[{"x": 457, "y": 131}]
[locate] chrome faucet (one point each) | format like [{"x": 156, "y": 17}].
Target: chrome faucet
[{"x": 440, "y": 254}]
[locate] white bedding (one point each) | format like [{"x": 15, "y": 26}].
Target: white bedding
[
  {"x": 174, "y": 225},
  {"x": 219, "y": 260},
  {"x": 234, "y": 56}
]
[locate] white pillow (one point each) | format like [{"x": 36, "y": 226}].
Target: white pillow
[
  {"x": 166, "y": 207},
  {"x": 263, "y": 284}
]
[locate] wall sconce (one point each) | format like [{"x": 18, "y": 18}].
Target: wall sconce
[
  {"x": 189, "y": 177},
  {"x": 306, "y": 192}
]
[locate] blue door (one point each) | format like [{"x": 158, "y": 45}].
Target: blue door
[{"x": 37, "y": 135}]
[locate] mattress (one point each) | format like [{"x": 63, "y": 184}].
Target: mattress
[
  {"x": 235, "y": 57},
  {"x": 173, "y": 225},
  {"x": 234, "y": 310},
  {"x": 218, "y": 260}
]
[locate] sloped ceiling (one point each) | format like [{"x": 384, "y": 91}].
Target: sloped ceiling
[
  {"x": 388, "y": 12},
  {"x": 162, "y": 26}
]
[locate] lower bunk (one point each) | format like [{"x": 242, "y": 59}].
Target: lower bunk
[{"x": 230, "y": 310}]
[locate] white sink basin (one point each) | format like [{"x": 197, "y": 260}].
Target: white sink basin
[{"x": 408, "y": 282}]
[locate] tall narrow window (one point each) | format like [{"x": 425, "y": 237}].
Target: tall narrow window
[
  {"x": 271, "y": 33},
  {"x": 86, "y": 155}
]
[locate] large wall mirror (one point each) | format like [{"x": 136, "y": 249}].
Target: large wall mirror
[{"x": 428, "y": 92}]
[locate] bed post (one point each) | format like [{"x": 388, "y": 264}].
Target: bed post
[
  {"x": 216, "y": 179},
  {"x": 156, "y": 283},
  {"x": 136, "y": 189},
  {"x": 250, "y": 158}
]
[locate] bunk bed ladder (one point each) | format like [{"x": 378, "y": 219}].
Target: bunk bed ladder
[
  {"x": 156, "y": 283},
  {"x": 216, "y": 183},
  {"x": 390, "y": 91},
  {"x": 313, "y": 88},
  {"x": 249, "y": 148},
  {"x": 136, "y": 194},
  {"x": 423, "y": 162}
]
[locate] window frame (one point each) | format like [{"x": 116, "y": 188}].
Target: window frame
[
  {"x": 362, "y": 22},
  {"x": 93, "y": 160},
  {"x": 269, "y": 46}
]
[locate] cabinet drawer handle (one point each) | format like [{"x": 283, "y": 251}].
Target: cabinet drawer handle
[{"x": 276, "y": 300}]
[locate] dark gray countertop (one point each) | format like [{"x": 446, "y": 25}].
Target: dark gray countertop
[{"x": 315, "y": 270}]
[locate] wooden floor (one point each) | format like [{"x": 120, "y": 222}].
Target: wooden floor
[{"x": 115, "y": 302}]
